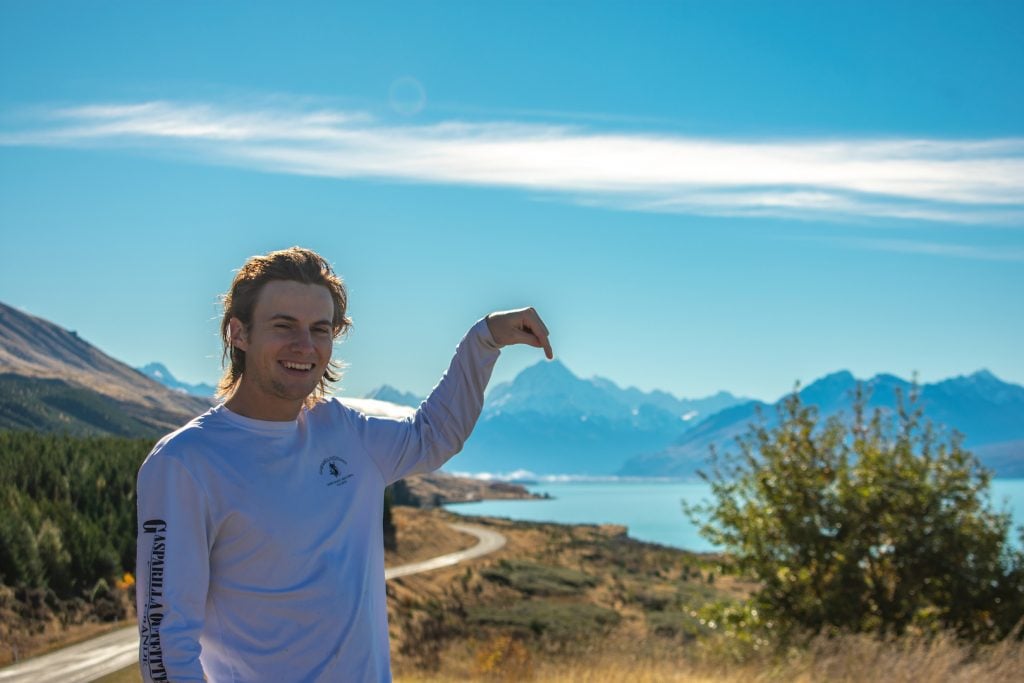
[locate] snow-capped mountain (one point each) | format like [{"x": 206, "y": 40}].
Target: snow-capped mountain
[
  {"x": 550, "y": 388},
  {"x": 160, "y": 373},
  {"x": 549, "y": 421},
  {"x": 986, "y": 410},
  {"x": 386, "y": 392}
]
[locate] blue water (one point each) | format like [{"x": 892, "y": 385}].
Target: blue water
[{"x": 652, "y": 510}]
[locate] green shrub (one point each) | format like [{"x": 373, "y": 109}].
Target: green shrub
[
  {"x": 675, "y": 624},
  {"x": 867, "y": 524},
  {"x": 539, "y": 579}
]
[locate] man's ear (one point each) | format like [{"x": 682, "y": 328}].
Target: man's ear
[{"x": 236, "y": 331}]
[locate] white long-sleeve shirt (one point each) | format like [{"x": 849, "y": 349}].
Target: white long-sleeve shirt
[{"x": 260, "y": 546}]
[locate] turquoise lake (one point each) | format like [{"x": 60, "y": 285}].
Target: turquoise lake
[{"x": 652, "y": 510}]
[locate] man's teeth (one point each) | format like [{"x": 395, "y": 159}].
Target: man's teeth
[{"x": 297, "y": 366}]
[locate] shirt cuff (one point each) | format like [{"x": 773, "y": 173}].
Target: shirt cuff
[{"x": 482, "y": 331}]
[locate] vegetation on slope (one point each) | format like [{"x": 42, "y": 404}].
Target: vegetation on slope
[
  {"x": 68, "y": 513},
  {"x": 54, "y": 406}
]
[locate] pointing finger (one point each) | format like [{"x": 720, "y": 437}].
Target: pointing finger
[{"x": 540, "y": 331}]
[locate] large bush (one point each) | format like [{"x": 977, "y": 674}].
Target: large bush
[{"x": 864, "y": 523}]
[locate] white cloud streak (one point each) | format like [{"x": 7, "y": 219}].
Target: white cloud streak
[
  {"x": 966, "y": 251},
  {"x": 953, "y": 181}
]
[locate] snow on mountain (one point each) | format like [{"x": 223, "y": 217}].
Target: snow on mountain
[
  {"x": 388, "y": 393},
  {"x": 160, "y": 373},
  {"x": 550, "y": 388},
  {"x": 549, "y": 421}
]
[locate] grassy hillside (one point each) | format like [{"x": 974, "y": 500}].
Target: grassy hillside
[
  {"x": 575, "y": 604},
  {"x": 52, "y": 405}
]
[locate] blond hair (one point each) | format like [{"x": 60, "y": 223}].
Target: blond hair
[{"x": 295, "y": 264}]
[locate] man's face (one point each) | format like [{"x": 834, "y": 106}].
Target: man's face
[{"x": 287, "y": 349}]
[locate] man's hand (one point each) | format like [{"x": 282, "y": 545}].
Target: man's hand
[{"x": 522, "y": 326}]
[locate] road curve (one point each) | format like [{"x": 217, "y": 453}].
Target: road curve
[
  {"x": 487, "y": 542},
  {"x": 119, "y": 649}
]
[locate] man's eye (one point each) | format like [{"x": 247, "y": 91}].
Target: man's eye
[
  {"x": 322, "y": 330},
  {"x": 281, "y": 326}
]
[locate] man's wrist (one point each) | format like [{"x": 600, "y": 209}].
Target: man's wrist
[{"x": 487, "y": 332}]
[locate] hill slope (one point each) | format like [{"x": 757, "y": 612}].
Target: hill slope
[{"x": 52, "y": 380}]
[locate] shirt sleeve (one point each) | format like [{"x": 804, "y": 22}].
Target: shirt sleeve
[
  {"x": 444, "y": 421},
  {"x": 172, "y": 570}
]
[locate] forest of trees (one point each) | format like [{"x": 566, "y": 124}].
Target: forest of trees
[
  {"x": 68, "y": 513},
  {"x": 67, "y": 517}
]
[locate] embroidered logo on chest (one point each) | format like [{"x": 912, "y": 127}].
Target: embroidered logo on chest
[{"x": 332, "y": 471}]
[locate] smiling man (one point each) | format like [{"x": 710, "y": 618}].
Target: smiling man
[{"x": 260, "y": 547}]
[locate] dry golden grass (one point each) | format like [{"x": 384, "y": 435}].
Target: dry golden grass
[
  {"x": 423, "y": 534},
  {"x": 633, "y": 580},
  {"x": 849, "y": 659},
  {"x": 846, "y": 659}
]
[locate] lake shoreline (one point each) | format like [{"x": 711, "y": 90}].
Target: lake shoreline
[{"x": 651, "y": 509}]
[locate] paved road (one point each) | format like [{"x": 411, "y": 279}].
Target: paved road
[
  {"x": 79, "y": 663},
  {"x": 119, "y": 649},
  {"x": 488, "y": 542}
]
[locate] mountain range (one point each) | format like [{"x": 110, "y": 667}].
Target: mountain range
[
  {"x": 546, "y": 421},
  {"x": 986, "y": 410},
  {"x": 549, "y": 421}
]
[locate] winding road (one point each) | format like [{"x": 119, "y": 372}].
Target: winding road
[
  {"x": 487, "y": 542},
  {"x": 119, "y": 649}
]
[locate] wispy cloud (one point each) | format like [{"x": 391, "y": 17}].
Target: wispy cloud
[
  {"x": 959, "y": 181},
  {"x": 966, "y": 251}
]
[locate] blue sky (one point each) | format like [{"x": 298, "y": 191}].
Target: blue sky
[{"x": 696, "y": 196}]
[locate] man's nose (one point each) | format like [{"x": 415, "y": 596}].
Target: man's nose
[{"x": 302, "y": 340}]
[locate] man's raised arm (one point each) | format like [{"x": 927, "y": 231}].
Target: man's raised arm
[{"x": 445, "y": 420}]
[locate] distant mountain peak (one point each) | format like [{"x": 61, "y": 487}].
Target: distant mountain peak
[
  {"x": 155, "y": 369},
  {"x": 887, "y": 378},
  {"x": 984, "y": 375},
  {"x": 544, "y": 378},
  {"x": 390, "y": 394},
  {"x": 837, "y": 378},
  {"x": 551, "y": 389},
  {"x": 159, "y": 372},
  {"x": 548, "y": 369}
]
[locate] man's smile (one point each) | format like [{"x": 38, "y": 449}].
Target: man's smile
[{"x": 292, "y": 365}]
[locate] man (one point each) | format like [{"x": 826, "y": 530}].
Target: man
[{"x": 260, "y": 547}]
